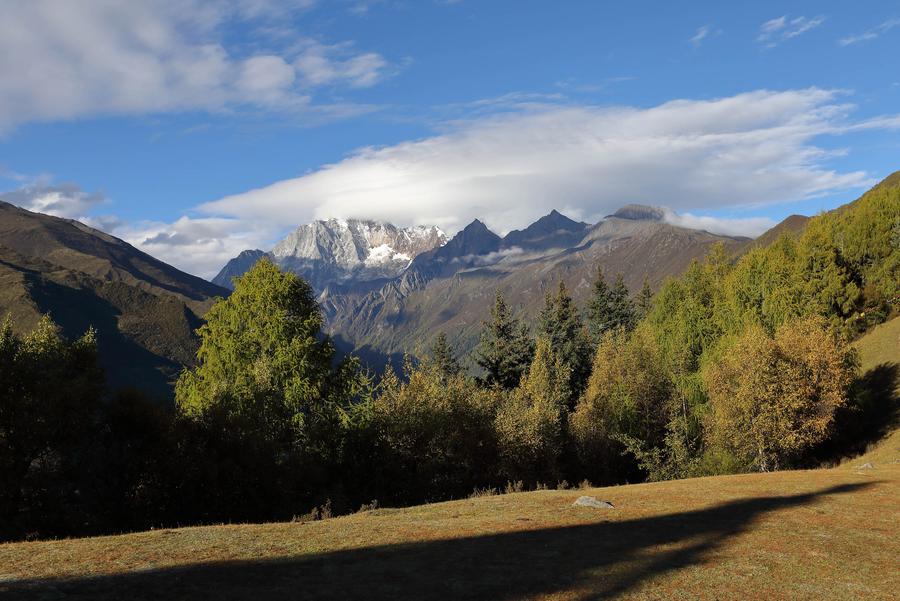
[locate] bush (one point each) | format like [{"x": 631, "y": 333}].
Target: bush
[
  {"x": 625, "y": 403},
  {"x": 773, "y": 398},
  {"x": 530, "y": 421}
]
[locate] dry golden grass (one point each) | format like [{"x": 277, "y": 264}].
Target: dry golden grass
[{"x": 822, "y": 534}]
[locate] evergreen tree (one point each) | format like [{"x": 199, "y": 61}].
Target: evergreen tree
[
  {"x": 610, "y": 308},
  {"x": 599, "y": 307},
  {"x": 443, "y": 358},
  {"x": 622, "y": 311},
  {"x": 505, "y": 349},
  {"x": 644, "y": 302},
  {"x": 561, "y": 325}
]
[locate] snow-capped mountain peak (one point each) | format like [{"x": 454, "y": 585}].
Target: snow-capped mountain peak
[{"x": 339, "y": 250}]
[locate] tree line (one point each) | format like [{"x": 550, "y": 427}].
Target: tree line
[{"x": 740, "y": 364}]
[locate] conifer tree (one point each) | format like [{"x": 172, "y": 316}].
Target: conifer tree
[
  {"x": 644, "y": 302},
  {"x": 599, "y": 307},
  {"x": 505, "y": 349},
  {"x": 622, "y": 312},
  {"x": 443, "y": 358},
  {"x": 561, "y": 325}
]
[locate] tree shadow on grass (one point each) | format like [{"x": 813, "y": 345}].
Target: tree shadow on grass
[
  {"x": 872, "y": 413},
  {"x": 600, "y": 559}
]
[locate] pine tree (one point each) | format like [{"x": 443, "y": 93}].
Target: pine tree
[
  {"x": 443, "y": 358},
  {"x": 561, "y": 325},
  {"x": 622, "y": 313},
  {"x": 644, "y": 302},
  {"x": 599, "y": 307},
  {"x": 506, "y": 349}
]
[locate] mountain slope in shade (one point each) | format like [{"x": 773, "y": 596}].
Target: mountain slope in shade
[
  {"x": 238, "y": 266},
  {"x": 551, "y": 231},
  {"x": 404, "y": 314},
  {"x": 145, "y": 311},
  {"x": 72, "y": 245}
]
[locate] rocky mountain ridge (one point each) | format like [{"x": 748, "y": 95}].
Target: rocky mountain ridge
[{"x": 336, "y": 250}]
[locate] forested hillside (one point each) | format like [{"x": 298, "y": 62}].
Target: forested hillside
[{"x": 741, "y": 364}]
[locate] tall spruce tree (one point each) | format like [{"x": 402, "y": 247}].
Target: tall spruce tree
[
  {"x": 506, "y": 349},
  {"x": 610, "y": 308},
  {"x": 561, "y": 325},
  {"x": 644, "y": 302},
  {"x": 443, "y": 357},
  {"x": 599, "y": 307},
  {"x": 622, "y": 312}
]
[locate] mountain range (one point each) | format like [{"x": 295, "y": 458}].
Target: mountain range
[
  {"x": 381, "y": 307},
  {"x": 385, "y": 290}
]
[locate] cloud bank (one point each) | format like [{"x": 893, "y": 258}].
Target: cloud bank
[
  {"x": 62, "y": 200},
  {"x": 690, "y": 155},
  {"x": 106, "y": 57}
]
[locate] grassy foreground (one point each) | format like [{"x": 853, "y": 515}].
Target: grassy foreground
[{"x": 822, "y": 534}]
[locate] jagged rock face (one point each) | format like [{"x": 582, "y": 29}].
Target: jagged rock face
[
  {"x": 385, "y": 290},
  {"x": 339, "y": 251}
]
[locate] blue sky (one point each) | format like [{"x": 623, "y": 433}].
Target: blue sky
[{"x": 196, "y": 129}]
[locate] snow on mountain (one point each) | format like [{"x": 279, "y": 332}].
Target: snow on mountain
[{"x": 338, "y": 250}]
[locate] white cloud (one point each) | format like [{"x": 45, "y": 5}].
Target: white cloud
[
  {"x": 320, "y": 65},
  {"x": 870, "y": 34},
  {"x": 783, "y": 28},
  {"x": 200, "y": 246},
  {"x": 105, "y": 57},
  {"x": 492, "y": 257},
  {"x": 751, "y": 149},
  {"x": 62, "y": 200},
  {"x": 747, "y": 226},
  {"x": 702, "y": 33}
]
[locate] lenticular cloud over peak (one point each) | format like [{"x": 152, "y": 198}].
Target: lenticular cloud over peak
[{"x": 755, "y": 148}]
